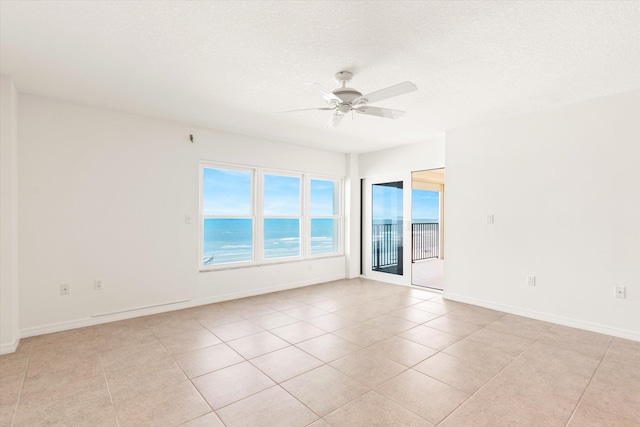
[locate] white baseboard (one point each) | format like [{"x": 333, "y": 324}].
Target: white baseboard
[
  {"x": 547, "y": 317},
  {"x": 100, "y": 319},
  {"x": 10, "y": 347},
  {"x": 163, "y": 307},
  {"x": 262, "y": 291}
]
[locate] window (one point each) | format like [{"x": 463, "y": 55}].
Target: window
[
  {"x": 324, "y": 211},
  {"x": 282, "y": 217},
  {"x": 227, "y": 216},
  {"x": 251, "y": 216}
]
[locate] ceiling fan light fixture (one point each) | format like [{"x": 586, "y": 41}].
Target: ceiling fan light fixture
[
  {"x": 345, "y": 99},
  {"x": 344, "y": 108},
  {"x": 347, "y": 94}
]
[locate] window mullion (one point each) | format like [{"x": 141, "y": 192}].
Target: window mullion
[
  {"x": 277, "y": 198},
  {"x": 258, "y": 248}
]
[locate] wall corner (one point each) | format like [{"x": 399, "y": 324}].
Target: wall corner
[
  {"x": 352, "y": 215},
  {"x": 9, "y": 304}
]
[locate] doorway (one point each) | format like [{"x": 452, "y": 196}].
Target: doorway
[
  {"x": 427, "y": 228},
  {"x": 386, "y": 234},
  {"x": 387, "y": 228}
]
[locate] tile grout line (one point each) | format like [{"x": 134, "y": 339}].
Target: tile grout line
[
  {"x": 104, "y": 373},
  {"x": 435, "y": 379},
  {"x": 276, "y": 384},
  {"x": 302, "y": 304},
  {"x": 514, "y": 360},
  {"x": 165, "y": 386},
  {"x": 291, "y": 344},
  {"x": 589, "y": 383},
  {"x": 24, "y": 377},
  {"x": 356, "y": 322},
  {"x": 321, "y": 417},
  {"x": 386, "y": 358},
  {"x": 493, "y": 377},
  {"x": 184, "y": 373}
]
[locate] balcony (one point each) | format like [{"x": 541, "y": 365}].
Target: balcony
[
  {"x": 425, "y": 239},
  {"x": 387, "y": 244}
]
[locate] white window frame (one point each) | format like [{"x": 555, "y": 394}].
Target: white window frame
[
  {"x": 339, "y": 217},
  {"x": 210, "y": 165},
  {"x": 257, "y": 215},
  {"x": 299, "y": 217}
]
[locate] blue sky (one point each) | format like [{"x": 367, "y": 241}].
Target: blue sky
[
  {"x": 387, "y": 204},
  {"x": 424, "y": 205},
  {"x": 228, "y": 192},
  {"x": 281, "y": 195},
  {"x": 322, "y": 198}
]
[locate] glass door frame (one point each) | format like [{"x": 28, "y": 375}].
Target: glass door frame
[{"x": 369, "y": 272}]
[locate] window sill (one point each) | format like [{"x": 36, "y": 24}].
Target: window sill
[{"x": 268, "y": 263}]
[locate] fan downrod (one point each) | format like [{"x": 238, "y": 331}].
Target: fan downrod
[{"x": 343, "y": 77}]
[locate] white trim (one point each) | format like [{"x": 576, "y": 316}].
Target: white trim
[
  {"x": 302, "y": 229},
  {"x": 10, "y": 347},
  {"x": 139, "y": 308},
  {"x": 547, "y": 317},
  {"x": 91, "y": 321},
  {"x": 129, "y": 314},
  {"x": 339, "y": 201},
  {"x": 262, "y": 291},
  {"x": 253, "y": 171},
  {"x": 404, "y": 177},
  {"x": 258, "y": 216}
]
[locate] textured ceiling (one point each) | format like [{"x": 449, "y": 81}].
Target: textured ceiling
[{"x": 231, "y": 65}]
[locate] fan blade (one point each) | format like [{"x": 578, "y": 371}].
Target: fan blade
[
  {"x": 388, "y": 92},
  {"x": 304, "y": 109},
  {"x": 335, "y": 119},
  {"x": 326, "y": 93},
  {"x": 380, "y": 112}
]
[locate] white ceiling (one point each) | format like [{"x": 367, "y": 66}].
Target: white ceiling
[{"x": 231, "y": 65}]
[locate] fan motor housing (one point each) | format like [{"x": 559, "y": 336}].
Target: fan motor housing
[{"x": 346, "y": 94}]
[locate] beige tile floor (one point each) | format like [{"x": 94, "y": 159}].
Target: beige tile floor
[{"x": 346, "y": 353}]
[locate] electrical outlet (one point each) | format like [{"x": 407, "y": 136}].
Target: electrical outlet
[
  {"x": 64, "y": 289},
  {"x": 531, "y": 280},
  {"x": 187, "y": 219},
  {"x": 97, "y": 284},
  {"x": 490, "y": 219},
  {"x": 620, "y": 292}
]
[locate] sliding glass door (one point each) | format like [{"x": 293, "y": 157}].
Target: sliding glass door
[{"x": 388, "y": 228}]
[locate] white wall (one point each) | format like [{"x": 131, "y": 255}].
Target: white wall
[
  {"x": 564, "y": 186},
  {"x": 352, "y": 212},
  {"x": 398, "y": 160},
  {"x": 104, "y": 195},
  {"x": 406, "y": 158},
  {"x": 9, "y": 328}
]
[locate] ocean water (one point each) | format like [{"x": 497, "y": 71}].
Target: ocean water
[
  {"x": 230, "y": 240},
  {"x": 413, "y": 221},
  {"x": 427, "y": 220}
]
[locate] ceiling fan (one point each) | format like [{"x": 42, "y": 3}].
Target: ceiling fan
[{"x": 345, "y": 99}]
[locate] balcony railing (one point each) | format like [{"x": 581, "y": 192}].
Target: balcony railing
[
  {"x": 426, "y": 240},
  {"x": 387, "y": 243}
]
